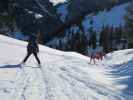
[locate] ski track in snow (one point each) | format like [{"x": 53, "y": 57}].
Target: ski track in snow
[
  {"x": 67, "y": 76},
  {"x": 77, "y": 81},
  {"x": 76, "y": 84}
]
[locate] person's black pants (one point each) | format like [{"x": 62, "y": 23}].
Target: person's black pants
[{"x": 28, "y": 55}]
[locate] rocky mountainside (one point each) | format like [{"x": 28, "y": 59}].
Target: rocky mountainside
[
  {"x": 55, "y": 19},
  {"x": 24, "y": 12}
]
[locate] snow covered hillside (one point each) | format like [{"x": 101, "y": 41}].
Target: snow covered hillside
[
  {"x": 55, "y": 2},
  {"x": 114, "y": 17},
  {"x": 63, "y": 75}
]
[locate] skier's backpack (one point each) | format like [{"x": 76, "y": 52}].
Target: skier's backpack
[{"x": 33, "y": 47}]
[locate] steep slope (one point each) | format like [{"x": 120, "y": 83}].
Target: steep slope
[
  {"x": 114, "y": 17},
  {"x": 111, "y": 18},
  {"x": 63, "y": 76}
]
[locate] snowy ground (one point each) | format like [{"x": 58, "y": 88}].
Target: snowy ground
[{"x": 64, "y": 75}]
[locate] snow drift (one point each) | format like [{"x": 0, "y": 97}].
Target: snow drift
[{"x": 63, "y": 75}]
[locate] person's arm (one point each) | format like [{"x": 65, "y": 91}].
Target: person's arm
[{"x": 37, "y": 47}]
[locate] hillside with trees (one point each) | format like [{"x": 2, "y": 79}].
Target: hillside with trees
[{"x": 41, "y": 17}]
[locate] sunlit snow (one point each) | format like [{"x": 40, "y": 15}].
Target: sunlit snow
[
  {"x": 55, "y": 2},
  {"x": 63, "y": 75}
]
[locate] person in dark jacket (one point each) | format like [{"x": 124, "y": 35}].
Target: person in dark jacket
[{"x": 32, "y": 48}]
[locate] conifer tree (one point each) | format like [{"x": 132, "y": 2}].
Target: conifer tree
[
  {"x": 40, "y": 37},
  {"x": 111, "y": 33},
  {"x": 104, "y": 39},
  {"x": 93, "y": 39},
  {"x": 129, "y": 22},
  {"x": 82, "y": 44}
]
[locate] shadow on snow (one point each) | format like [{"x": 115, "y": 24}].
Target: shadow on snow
[
  {"x": 11, "y": 66},
  {"x": 125, "y": 69}
]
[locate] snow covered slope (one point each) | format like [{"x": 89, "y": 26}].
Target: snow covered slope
[
  {"x": 64, "y": 75},
  {"x": 114, "y": 17},
  {"x": 55, "y": 2},
  {"x": 63, "y": 12}
]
